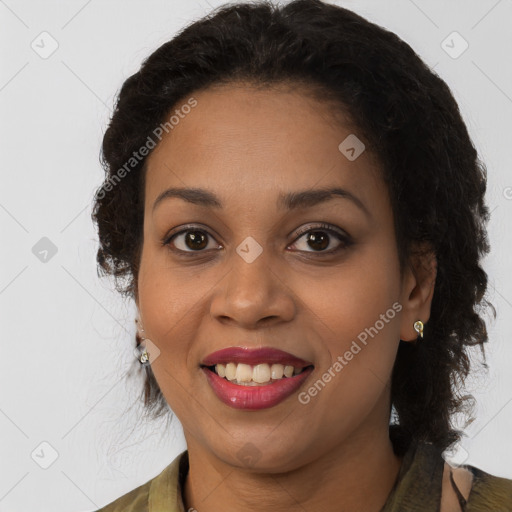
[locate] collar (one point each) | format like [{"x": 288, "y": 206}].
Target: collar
[
  {"x": 419, "y": 483},
  {"x": 165, "y": 488},
  {"x": 417, "y": 487}
]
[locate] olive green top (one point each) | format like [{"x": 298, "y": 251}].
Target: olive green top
[{"x": 417, "y": 488}]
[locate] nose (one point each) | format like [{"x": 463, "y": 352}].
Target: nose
[{"x": 253, "y": 294}]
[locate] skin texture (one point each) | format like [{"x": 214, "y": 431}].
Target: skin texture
[{"x": 247, "y": 146}]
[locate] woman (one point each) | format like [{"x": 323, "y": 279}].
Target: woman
[{"x": 294, "y": 203}]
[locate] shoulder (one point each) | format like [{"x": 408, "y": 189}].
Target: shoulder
[
  {"x": 159, "y": 490},
  {"x": 134, "y": 501},
  {"x": 489, "y": 492},
  {"x": 471, "y": 489}
]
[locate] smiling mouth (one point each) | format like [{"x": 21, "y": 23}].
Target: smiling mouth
[{"x": 261, "y": 374}]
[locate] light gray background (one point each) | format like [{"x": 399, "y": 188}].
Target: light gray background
[{"x": 67, "y": 337}]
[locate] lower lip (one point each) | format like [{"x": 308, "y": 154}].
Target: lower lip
[{"x": 255, "y": 397}]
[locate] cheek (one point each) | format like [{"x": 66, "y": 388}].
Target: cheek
[
  {"x": 353, "y": 295},
  {"x": 171, "y": 304},
  {"x": 355, "y": 367},
  {"x": 357, "y": 313},
  {"x": 359, "y": 324}
]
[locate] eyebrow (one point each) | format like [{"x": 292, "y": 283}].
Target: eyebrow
[{"x": 288, "y": 201}]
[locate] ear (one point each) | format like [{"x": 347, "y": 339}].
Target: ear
[{"x": 417, "y": 290}]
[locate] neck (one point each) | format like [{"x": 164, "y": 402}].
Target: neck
[{"x": 357, "y": 474}]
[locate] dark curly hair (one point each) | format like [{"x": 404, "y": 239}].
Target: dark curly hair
[{"x": 408, "y": 119}]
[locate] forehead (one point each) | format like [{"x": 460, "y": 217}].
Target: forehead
[{"x": 255, "y": 142}]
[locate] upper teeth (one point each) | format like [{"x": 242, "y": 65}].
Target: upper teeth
[{"x": 258, "y": 374}]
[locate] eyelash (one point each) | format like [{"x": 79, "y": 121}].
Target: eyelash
[{"x": 345, "y": 240}]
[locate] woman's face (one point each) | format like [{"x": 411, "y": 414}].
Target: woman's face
[{"x": 257, "y": 269}]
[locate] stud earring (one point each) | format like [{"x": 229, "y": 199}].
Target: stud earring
[
  {"x": 418, "y": 327},
  {"x": 141, "y": 352}
]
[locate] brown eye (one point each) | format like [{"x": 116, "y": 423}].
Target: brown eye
[
  {"x": 189, "y": 240},
  {"x": 196, "y": 240},
  {"x": 320, "y": 238}
]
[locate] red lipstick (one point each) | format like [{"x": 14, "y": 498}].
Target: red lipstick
[
  {"x": 261, "y": 396},
  {"x": 254, "y": 356}
]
